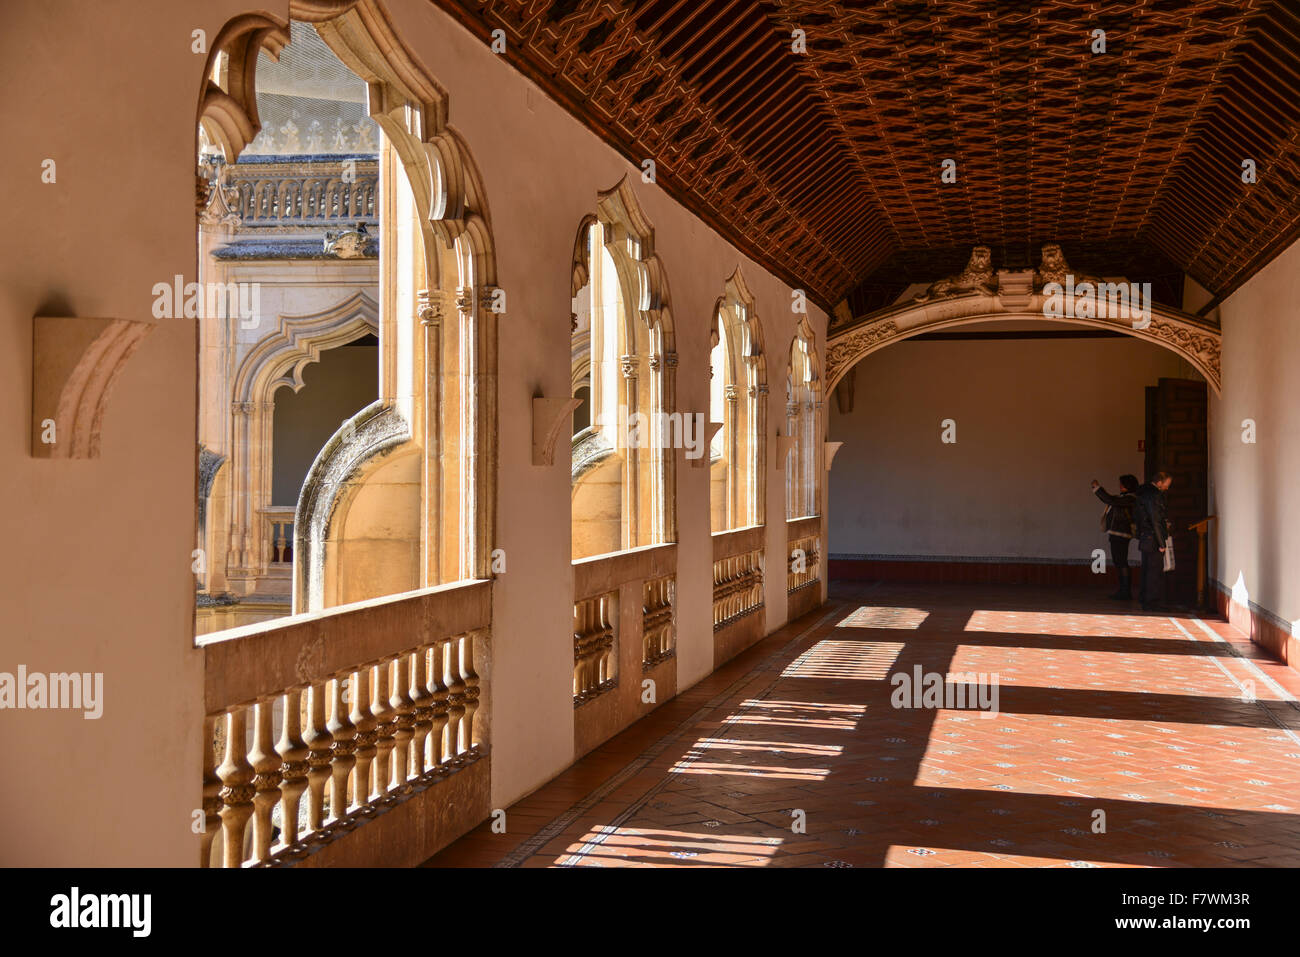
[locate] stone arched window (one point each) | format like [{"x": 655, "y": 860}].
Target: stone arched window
[
  {"x": 624, "y": 357},
  {"x": 738, "y": 402},
  {"x": 803, "y": 416},
  {"x": 423, "y": 454}
]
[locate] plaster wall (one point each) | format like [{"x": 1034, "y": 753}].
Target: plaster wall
[
  {"x": 1036, "y": 421},
  {"x": 1254, "y": 487}
]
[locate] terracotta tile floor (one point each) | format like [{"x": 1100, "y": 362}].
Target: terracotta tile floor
[{"x": 1176, "y": 734}]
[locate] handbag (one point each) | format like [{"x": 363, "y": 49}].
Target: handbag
[{"x": 1169, "y": 555}]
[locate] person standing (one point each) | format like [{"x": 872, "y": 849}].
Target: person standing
[
  {"x": 1118, "y": 524},
  {"x": 1152, "y": 520}
]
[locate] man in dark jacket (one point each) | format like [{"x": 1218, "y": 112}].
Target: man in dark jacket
[
  {"x": 1118, "y": 523},
  {"x": 1153, "y": 534}
]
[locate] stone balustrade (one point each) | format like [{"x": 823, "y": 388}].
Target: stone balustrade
[
  {"x": 277, "y": 535},
  {"x": 358, "y": 716},
  {"x": 803, "y": 553},
  {"x": 737, "y": 575},
  {"x": 625, "y": 627},
  {"x": 293, "y": 192},
  {"x": 657, "y": 631},
  {"x": 738, "y": 591},
  {"x": 594, "y": 660}
]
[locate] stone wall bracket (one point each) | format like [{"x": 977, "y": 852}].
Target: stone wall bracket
[
  {"x": 784, "y": 446},
  {"x": 75, "y": 364},
  {"x": 710, "y": 430},
  {"x": 828, "y": 453},
  {"x": 549, "y": 419}
]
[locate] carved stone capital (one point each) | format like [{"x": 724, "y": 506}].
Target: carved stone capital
[
  {"x": 628, "y": 365},
  {"x": 731, "y": 393},
  {"x": 464, "y": 300},
  {"x": 429, "y": 307}
]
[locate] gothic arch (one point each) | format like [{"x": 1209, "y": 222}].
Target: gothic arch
[
  {"x": 277, "y": 360},
  {"x": 745, "y": 393},
  {"x": 629, "y": 236},
  {"x": 455, "y": 285},
  {"x": 1192, "y": 339},
  {"x": 803, "y": 423},
  {"x": 280, "y": 358}
]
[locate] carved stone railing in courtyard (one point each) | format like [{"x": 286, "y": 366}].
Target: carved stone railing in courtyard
[
  {"x": 657, "y": 631},
  {"x": 803, "y": 553},
  {"x": 299, "y": 192},
  {"x": 624, "y": 612},
  {"x": 803, "y": 564},
  {"x": 738, "y": 600},
  {"x": 360, "y": 716},
  {"x": 277, "y": 540},
  {"x": 737, "y": 575}
]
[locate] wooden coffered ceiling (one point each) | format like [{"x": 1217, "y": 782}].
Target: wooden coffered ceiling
[{"x": 825, "y": 166}]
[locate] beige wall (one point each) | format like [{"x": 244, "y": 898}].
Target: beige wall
[
  {"x": 1255, "y": 489},
  {"x": 1036, "y": 421},
  {"x": 96, "y": 563}
]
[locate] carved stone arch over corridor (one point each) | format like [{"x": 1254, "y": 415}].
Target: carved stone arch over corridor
[{"x": 1196, "y": 341}]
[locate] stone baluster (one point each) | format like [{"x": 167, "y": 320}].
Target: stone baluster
[
  {"x": 439, "y": 692},
  {"x": 385, "y": 725},
  {"x": 455, "y": 703},
  {"x": 403, "y": 709},
  {"x": 319, "y": 742},
  {"x": 365, "y": 724},
  {"x": 266, "y": 763},
  {"x": 472, "y": 682},
  {"x": 293, "y": 767},
  {"x": 344, "y": 737},
  {"x": 211, "y": 792},
  {"x": 237, "y": 789},
  {"x": 423, "y": 701}
]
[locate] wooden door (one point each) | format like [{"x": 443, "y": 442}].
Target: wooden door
[{"x": 1177, "y": 443}]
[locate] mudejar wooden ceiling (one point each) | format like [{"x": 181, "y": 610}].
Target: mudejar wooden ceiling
[{"x": 825, "y": 165}]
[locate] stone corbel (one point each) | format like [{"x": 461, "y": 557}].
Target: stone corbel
[
  {"x": 784, "y": 446},
  {"x": 550, "y": 416},
  {"x": 828, "y": 452},
  {"x": 710, "y": 430},
  {"x": 75, "y": 363}
]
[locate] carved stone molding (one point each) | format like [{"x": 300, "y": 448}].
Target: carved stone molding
[
  {"x": 375, "y": 431},
  {"x": 589, "y": 449},
  {"x": 550, "y": 418},
  {"x": 75, "y": 364},
  {"x": 1186, "y": 335}
]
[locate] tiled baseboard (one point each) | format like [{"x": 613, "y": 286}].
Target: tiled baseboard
[{"x": 1264, "y": 628}]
